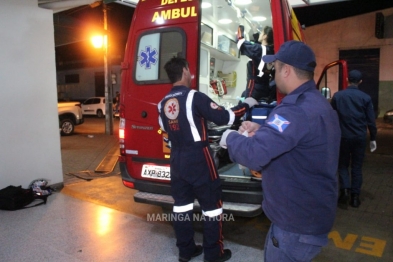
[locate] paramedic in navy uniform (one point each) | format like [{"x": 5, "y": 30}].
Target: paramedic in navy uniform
[
  {"x": 183, "y": 114},
  {"x": 356, "y": 113},
  {"x": 258, "y": 73},
  {"x": 297, "y": 152}
]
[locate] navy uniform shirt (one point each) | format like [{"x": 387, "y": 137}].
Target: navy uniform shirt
[
  {"x": 184, "y": 114},
  {"x": 297, "y": 152},
  {"x": 356, "y": 113},
  {"x": 254, "y": 52}
]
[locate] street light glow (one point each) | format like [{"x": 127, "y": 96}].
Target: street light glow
[
  {"x": 97, "y": 41},
  {"x": 101, "y": 41}
]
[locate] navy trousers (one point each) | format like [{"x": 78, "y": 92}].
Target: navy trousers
[
  {"x": 285, "y": 246},
  {"x": 351, "y": 155},
  {"x": 209, "y": 198}
]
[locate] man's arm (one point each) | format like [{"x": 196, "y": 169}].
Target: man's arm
[
  {"x": 282, "y": 131},
  {"x": 370, "y": 115},
  {"x": 159, "y": 116},
  {"x": 253, "y": 51},
  {"x": 211, "y": 111}
]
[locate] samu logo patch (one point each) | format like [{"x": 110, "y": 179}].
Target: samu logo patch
[
  {"x": 213, "y": 105},
  {"x": 171, "y": 108}
]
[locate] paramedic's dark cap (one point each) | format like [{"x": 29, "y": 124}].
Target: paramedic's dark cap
[
  {"x": 354, "y": 76},
  {"x": 294, "y": 53}
]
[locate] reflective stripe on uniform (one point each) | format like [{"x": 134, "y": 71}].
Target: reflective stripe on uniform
[
  {"x": 181, "y": 209},
  {"x": 231, "y": 117},
  {"x": 159, "y": 116},
  {"x": 160, "y": 123},
  {"x": 212, "y": 213},
  {"x": 194, "y": 130}
]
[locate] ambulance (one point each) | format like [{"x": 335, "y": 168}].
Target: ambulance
[{"x": 204, "y": 32}]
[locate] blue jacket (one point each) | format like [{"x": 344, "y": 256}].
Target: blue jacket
[
  {"x": 356, "y": 113},
  {"x": 297, "y": 152}
]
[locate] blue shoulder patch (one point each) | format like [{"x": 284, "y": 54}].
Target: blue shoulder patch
[{"x": 278, "y": 122}]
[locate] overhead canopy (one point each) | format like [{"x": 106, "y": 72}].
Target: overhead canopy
[
  {"x": 309, "y": 13},
  {"x": 63, "y": 5},
  {"x": 68, "y": 28},
  {"x": 299, "y": 3}
]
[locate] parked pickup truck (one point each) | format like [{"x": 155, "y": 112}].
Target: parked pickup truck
[{"x": 70, "y": 115}]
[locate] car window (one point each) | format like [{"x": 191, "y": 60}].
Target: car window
[{"x": 155, "y": 48}]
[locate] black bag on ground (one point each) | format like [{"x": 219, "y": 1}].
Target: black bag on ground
[{"x": 16, "y": 197}]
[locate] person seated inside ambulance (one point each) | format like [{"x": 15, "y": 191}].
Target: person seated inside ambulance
[{"x": 259, "y": 74}]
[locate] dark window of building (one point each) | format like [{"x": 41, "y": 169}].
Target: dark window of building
[
  {"x": 72, "y": 79},
  {"x": 366, "y": 61}
]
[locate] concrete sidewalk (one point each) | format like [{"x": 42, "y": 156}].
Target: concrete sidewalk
[
  {"x": 359, "y": 234},
  {"x": 82, "y": 154}
]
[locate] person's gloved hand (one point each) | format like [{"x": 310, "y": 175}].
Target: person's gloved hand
[
  {"x": 223, "y": 141},
  {"x": 250, "y": 101},
  {"x": 373, "y": 146}
]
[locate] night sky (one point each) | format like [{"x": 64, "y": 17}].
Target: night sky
[{"x": 81, "y": 53}]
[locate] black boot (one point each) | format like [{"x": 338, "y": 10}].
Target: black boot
[
  {"x": 355, "y": 201},
  {"x": 224, "y": 257},
  {"x": 344, "y": 196},
  {"x": 197, "y": 252}
]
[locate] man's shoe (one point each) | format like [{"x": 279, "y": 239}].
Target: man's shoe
[
  {"x": 197, "y": 252},
  {"x": 344, "y": 196},
  {"x": 224, "y": 257},
  {"x": 355, "y": 201}
]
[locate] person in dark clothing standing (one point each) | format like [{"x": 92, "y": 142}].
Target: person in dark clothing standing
[
  {"x": 258, "y": 73},
  {"x": 183, "y": 114},
  {"x": 356, "y": 114},
  {"x": 296, "y": 150}
]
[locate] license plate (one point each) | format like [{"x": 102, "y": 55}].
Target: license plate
[{"x": 156, "y": 172}]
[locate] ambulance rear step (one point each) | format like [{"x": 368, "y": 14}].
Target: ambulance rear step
[{"x": 166, "y": 201}]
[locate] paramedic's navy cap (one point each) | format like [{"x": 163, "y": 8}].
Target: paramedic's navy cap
[
  {"x": 296, "y": 54},
  {"x": 354, "y": 76}
]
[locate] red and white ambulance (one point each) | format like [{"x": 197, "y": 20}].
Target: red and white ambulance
[{"x": 203, "y": 32}]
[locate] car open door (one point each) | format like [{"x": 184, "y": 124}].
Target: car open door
[{"x": 333, "y": 78}]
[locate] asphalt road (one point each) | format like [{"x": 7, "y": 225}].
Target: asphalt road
[{"x": 95, "y": 125}]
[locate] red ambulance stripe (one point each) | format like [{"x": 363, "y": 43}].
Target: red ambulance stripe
[
  {"x": 221, "y": 237},
  {"x": 240, "y": 112},
  {"x": 203, "y": 130},
  {"x": 210, "y": 163},
  {"x": 250, "y": 87}
]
